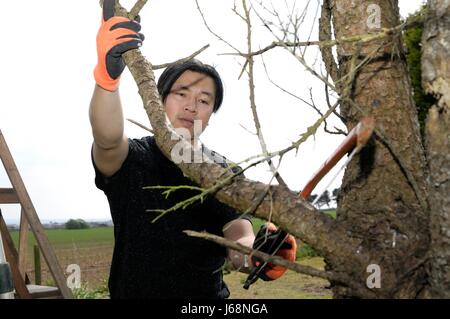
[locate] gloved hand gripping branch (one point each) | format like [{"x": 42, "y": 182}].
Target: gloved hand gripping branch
[{"x": 116, "y": 36}]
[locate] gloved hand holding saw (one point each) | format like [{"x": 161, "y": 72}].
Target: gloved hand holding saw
[{"x": 271, "y": 240}]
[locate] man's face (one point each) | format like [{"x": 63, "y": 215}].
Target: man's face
[{"x": 191, "y": 99}]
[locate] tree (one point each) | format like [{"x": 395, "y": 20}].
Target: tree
[
  {"x": 383, "y": 194},
  {"x": 413, "y": 41},
  {"x": 324, "y": 199},
  {"x": 76, "y": 224},
  {"x": 312, "y": 198},
  {"x": 436, "y": 81},
  {"x": 385, "y": 204},
  {"x": 335, "y": 194}
]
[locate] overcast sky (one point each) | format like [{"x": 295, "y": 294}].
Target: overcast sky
[{"x": 48, "y": 54}]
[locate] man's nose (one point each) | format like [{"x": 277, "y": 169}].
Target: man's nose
[{"x": 191, "y": 105}]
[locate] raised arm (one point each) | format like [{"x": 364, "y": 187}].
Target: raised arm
[
  {"x": 116, "y": 36},
  {"x": 110, "y": 147}
]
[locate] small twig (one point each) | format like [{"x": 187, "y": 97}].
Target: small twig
[
  {"x": 211, "y": 31},
  {"x": 312, "y": 27},
  {"x": 327, "y": 99},
  {"x": 141, "y": 126},
  {"x": 313, "y": 105},
  {"x": 280, "y": 87},
  {"x": 246, "y": 129},
  {"x": 171, "y": 189},
  {"x": 134, "y": 12},
  {"x": 193, "y": 55},
  {"x": 180, "y": 205}
]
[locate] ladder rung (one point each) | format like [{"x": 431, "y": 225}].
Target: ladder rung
[{"x": 8, "y": 196}]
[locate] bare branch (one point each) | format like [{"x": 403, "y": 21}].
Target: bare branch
[
  {"x": 141, "y": 125},
  {"x": 246, "y": 129},
  {"x": 211, "y": 31},
  {"x": 280, "y": 87},
  {"x": 251, "y": 83},
  {"x": 331, "y": 276},
  {"x": 313, "y": 105},
  {"x": 134, "y": 12},
  {"x": 311, "y": 29},
  {"x": 361, "y": 38},
  {"x": 327, "y": 99},
  {"x": 193, "y": 55}
]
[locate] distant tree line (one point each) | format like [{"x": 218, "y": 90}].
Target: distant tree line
[{"x": 76, "y": 224}]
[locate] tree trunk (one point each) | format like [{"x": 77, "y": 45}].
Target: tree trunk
[
  {"x": 436, "y": 80},
  {"x": 383, "y": 195}
]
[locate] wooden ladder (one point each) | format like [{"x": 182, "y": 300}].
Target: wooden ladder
[{"x": 28, "y": 219}]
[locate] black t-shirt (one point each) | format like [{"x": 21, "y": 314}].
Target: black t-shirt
[{"x": 157, "y": 260}]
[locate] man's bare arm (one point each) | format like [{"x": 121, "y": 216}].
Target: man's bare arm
[{"x": 110, "y": 147}]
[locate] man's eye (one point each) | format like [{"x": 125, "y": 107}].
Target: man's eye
[
  {"x": 204, "y": 102},
  {"x": 180, "y": 94}
]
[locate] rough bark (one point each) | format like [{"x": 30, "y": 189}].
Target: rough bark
[
  {"x": 383, "y": 188},
  {"x": 436, "y": 80}
]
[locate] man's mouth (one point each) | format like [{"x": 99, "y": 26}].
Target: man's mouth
[{"x": 186, "y": 122}]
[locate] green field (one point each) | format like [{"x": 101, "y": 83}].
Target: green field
[{"x": 60, "y": 238}]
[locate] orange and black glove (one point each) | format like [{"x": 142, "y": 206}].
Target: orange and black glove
[
  {"x": 267, "y": 240},
  {"x": 116, "y": 36}
]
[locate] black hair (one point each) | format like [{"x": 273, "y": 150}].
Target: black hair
[{"x": 174, "y": 71}]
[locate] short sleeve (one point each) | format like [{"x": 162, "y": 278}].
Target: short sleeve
[
  {"x": 105, "y": 183},
  {"x": 138, "y": 152}
]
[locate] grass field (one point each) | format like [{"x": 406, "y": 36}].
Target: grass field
[
  {"x": 92, "y": 250},
  {"x": 80, "y": 237},
  {"x": 291, "y": 286}
]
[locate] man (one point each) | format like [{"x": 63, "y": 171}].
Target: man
[{"x": 157, "y": 260}]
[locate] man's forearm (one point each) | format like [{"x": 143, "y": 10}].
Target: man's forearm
[
  {"x": 241, "y": 262},
  {"x": 106, "y": 117}
]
